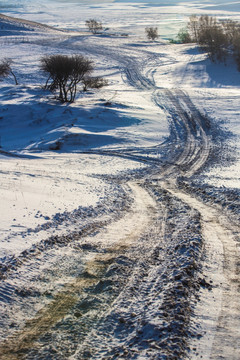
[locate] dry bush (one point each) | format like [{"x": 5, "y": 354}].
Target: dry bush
[
  {"x": 93, "y": 83},
  {"x": 6, "y": 69},
  {"x": 211, "y": 35},
  {"x": 93, "y": 25},
  {"x": 65, "y": 73},
  {"x": 152, "y": 33}
]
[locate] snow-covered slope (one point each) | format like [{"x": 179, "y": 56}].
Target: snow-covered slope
[{"x": 68, "y": 210}]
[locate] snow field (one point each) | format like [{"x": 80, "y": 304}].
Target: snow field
[{"x": 62, "y": 176}]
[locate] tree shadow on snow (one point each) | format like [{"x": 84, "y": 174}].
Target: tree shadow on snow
[
  {"x": 34, "y": 124},
  {"x": 222, "y": 75},
  {"x": 218, "y": 74}
]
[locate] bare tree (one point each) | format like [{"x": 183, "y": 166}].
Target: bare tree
[
  {"x": 93, "y": 83},
  {"x": 6, "y": 69},
  {"x": 232, "y": 31},
  {"x": 193, "y": 27},
  {"x": 219, "y": 38},
  {"x": 236, "y": 49},
  {"x": 152, "y": 33},
  {"x": 65, "y": 73},
  {"x": 94, "y": 26},
  {"x": 211, "y": 35}
]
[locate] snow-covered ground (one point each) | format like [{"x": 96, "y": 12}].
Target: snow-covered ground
[
  {"x": 58, "y": 162},
  {"x": 32, "y": 188}
]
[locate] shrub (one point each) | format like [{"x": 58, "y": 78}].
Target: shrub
[
  {"x": 6, "y": 69},
  {"x": 65, "y": 73},
  {"x": 152, "y": 33},
  {"x": 184, "y": 36},
  {"x": 210, "y": 35},
  {"x": 218, "y": 38},
  {"x": 94, "y": 26},
  {"x": 93, "y": 83}
]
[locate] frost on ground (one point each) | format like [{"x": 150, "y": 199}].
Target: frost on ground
[{"x": 119, "y": 213}]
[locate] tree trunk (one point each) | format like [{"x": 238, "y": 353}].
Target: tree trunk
[{"x": 16, "y": 82}]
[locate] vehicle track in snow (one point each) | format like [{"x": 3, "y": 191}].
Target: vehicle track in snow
[
  {"x": 189, "y": 131},
  {"x": 218, "y": 233},
  {"x": 220, "y": 328},
  {"x": 192, "y": 149},
  {"x": 118, "y": 237},
  {"x": 220, "y": 320},
  {"x": 131, "y": 289}
]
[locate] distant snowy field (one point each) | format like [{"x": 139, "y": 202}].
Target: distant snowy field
[
  {"x": 125, "y": 15},
  {"x": 39, "y": 182}
]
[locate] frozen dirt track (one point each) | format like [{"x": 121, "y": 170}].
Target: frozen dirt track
[
  {"x": 222, "y": 269},
  {"x": 154, "y": 279},
  {"x": 112, "y": 243},
  {"x": 218, "y": 233},
  {"x": 220, "y": 317}
]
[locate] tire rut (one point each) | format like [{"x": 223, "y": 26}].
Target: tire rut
[
  {"x": 190, "y": 143},
  {"x": 224, "y": 336},
  {"x": 18, "y": 345}
]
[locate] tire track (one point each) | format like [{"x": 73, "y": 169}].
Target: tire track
[
  {"x": 190, "y": 142},
  {"x": 117, "y": 240},
  {"x": 223, "y": 337}
]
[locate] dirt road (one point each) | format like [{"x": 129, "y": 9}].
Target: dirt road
[{"x": 159, "y": 280}]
